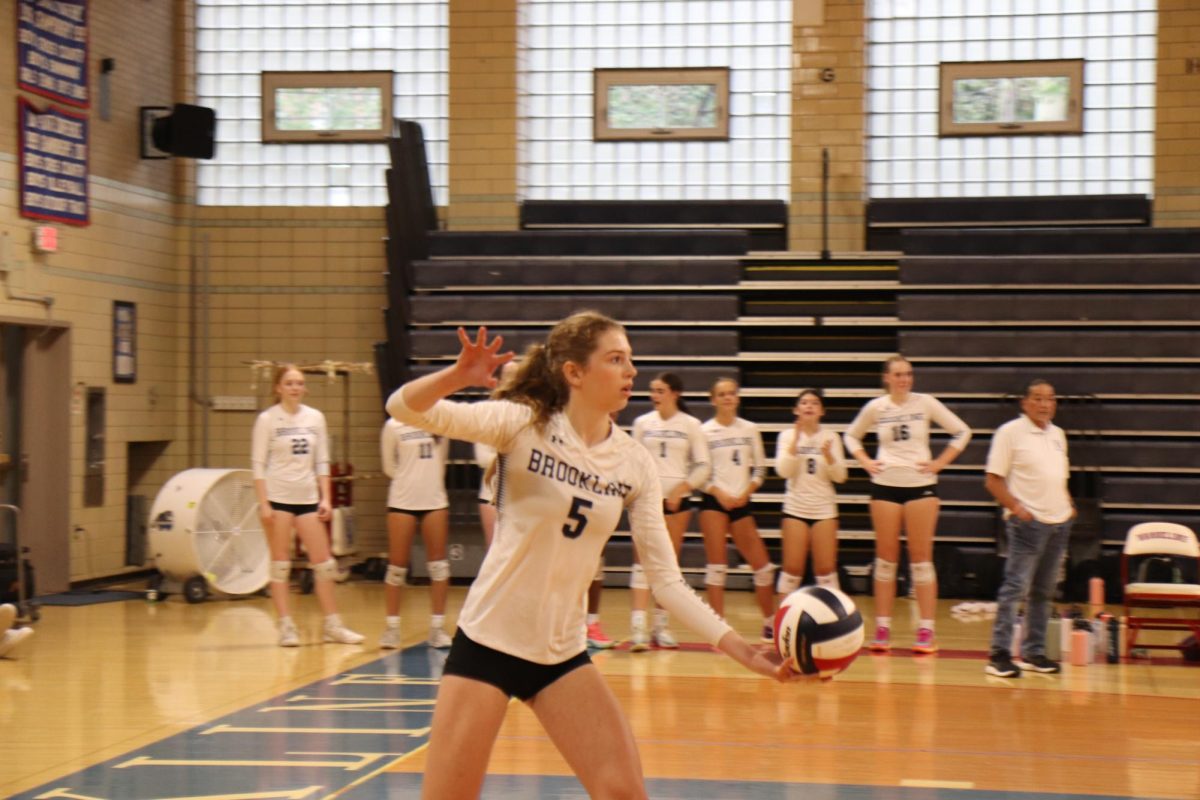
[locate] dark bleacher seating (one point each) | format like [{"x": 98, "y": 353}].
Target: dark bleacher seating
[
  {"x": 645, "y": 343},
  {"x": 1034, "y": 270},
  {"x": 475, "y": 244},
  {"x": 764, "y": 220},
  {"x": 990, "y": 379},
  {"x": 888, "y": 218},
  {"x": 1050, "y": 241},
  {"x": 1051, "y": 345},
  {"x": 567, "y": 272},
  {"x": 1109, "y": 452},
  {"x": 1084, "y": 414},
  {"x": 698, "y": 375},
  {"x": 1046, "y": 306},
  {"x": 434, "y": 309}
]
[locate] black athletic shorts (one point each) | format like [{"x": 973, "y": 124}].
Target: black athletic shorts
[
  {"x": 710, "y": 503},
  {"x": 806, "y": 520},
  {"x": 685, "y": 505},
  {"x": 902, "y": 494},
  {"x": 299, "y": 509},
  {"x": 514, "y": 676},
  {"x": 420, "y": 515}
]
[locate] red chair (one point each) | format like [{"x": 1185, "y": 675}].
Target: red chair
[{"x": 1172, "y": 541}]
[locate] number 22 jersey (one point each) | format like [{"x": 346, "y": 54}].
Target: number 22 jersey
[
  {"x": 558, "y": 501},
  {"x": 289, "y": 451}
]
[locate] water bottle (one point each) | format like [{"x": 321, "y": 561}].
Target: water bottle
[
  {"x": 1114, "y": 641},
  {"x": 1054, "y": 638}
]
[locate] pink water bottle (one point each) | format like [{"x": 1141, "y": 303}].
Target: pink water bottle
[
  {"x": 1080, "y": 647},
  {"x": 1096, "y": 592}
]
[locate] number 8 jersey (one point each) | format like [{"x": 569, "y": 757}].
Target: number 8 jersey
[
  {"x": 558, "y": 501},
  {"x": 903, "y": 433},
  {"x": 415, "y": 460},
  {"x": 289, "y": 451}
]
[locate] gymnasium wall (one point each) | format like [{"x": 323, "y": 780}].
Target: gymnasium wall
[
  {"x": 128, "y": 252},
  {"x": 1177, "y": 135}
]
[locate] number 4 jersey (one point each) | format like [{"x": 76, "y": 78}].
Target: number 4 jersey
[
  {"x": 415, "y": 460},
  {"x": 558, "y": 501},
  {"x": 289, "y": 451}
]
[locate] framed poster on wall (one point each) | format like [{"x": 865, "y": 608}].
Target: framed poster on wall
[{"x": 124, "y": 342}]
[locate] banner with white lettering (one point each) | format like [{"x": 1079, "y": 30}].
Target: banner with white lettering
[
  {"x": 52, "y": 45},
  {"x": 53, "y": 164}
]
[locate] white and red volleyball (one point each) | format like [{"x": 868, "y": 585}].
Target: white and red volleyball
[{"x": 818, "y": 631}]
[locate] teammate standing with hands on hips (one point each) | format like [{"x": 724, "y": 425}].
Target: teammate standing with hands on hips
[
  {"x": 904, "y": 491},
  {"x": 415, "y": 460},
  {"x": 680, "y": 450},
  {"x": 290, "y": 456},
  {"x": 565, "y": 474}
]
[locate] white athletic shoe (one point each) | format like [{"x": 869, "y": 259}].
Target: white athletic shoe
[
  {"x": 390, "y": 640},
  {"x": 288, "y": 635},
  {"x": 8, "y": 613},
  {"x": 439, "y": 639},
  {"x": 639, "y": 639},
  {"x": 340, "y": 634},
  {"x": 665, "y": 639},
  {"x": 11, "y": 639}
]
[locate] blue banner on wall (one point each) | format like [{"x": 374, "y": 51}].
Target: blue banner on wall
[
  {"x": 52, "y": 45},
  {"x": 53, "y": 164}
]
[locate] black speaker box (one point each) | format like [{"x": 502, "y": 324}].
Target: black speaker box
[{"x": 188, "y": 131}]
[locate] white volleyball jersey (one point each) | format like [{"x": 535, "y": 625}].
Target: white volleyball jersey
[
  {"x": 415, "y": 460},
  {"x": 484, "y": 457},
  {"x": 737, "y": 455},
  {"x": 903, "y": 433},
  {"x": 289, "y": 451},
  {"x": 679, "y": 447},
  {"x": 558, "y": 502},
  {"x": 810, "y": 476}
]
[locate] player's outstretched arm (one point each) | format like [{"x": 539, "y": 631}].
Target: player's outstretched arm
[
  {"x": 763, "y": 659},
  {"x": 477, "y": 361}
]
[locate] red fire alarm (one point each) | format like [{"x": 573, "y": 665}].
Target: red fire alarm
[{"x": 45, "y": 239}]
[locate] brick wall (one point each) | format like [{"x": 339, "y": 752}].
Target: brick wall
[{"x": 1177, "y": 123}]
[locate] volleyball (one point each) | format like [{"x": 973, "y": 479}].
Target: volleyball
[{"x": 818, "y": 631}]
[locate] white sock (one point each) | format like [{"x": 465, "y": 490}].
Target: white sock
[
  {"x": 286, "y": 620},
  {"x": 437, "y": 621},
  {"x": 925, "y": 623},
  {"x": 392, "y": 622},
  {"x": 661, "y": 618},
  {"x": 638, "y": 619},
  {"x": 592, "y": 619},
  {"x": 883, "y": 622},
  {"x": 333, "y": 621},
  {"x": 769, "y": 622}
]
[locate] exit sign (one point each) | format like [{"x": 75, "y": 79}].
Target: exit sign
[{"x": 45, "y": 239}]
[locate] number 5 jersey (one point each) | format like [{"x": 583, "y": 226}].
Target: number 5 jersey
[
  {"x": 558, "y": 501},
  {"x": 289, "y": 451}
]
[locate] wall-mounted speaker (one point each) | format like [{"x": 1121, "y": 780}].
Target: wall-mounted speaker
[{"x": 183, "y": 130}]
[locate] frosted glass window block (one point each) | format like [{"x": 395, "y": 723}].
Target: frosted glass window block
[
  {"x": 1095, "y": 168},
  {"x": 902, "y": 171},
  {"x": 1143, "y": 96},
  {"x": 904, "y": 54},
  {"x": 1095, "y": 72},
  {"x": 228, "y": 197},
  {"x": 950, "y": 170},
  {"x": 1001, "y": 50},
  {"x": 1024, "y": 28},
  {"x": 1120, "y": 119},
  {"x": 1096, "y": 48},
  {"x": 1144, "y": 72},
  {"x": 1143, "y": 120}
]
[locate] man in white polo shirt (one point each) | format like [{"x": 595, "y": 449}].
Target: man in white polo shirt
[{"x": 1027, "y": 472}]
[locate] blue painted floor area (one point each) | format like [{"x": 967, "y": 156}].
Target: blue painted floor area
[
  {"x": 307, "y": 743},
  {"x": 524, "y": 787}
]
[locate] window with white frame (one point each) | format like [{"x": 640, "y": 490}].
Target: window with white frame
[
  {"x": 238, "y": 40},
  {"x": 908, "y": 40},
  {"x": 563, "y": 41}
]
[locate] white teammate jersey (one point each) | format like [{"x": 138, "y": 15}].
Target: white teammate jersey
[
  {"x": 737, "y": 455},
  {"x": 558, "y": 502},
  {"x": 415, "y": 460},
  {"x": 484, "y": 457},
  {"x": 289, "y": 451},
  {"x": 679, "y": 447},
  {"x": 903, "y": 433},
  {"x": 810, "y": 477}
]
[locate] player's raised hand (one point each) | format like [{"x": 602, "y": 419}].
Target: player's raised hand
[{"x": 478, "y": 359}]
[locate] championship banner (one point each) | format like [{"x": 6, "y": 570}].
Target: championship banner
[
  {"x": 53, "y": 164},
  {"x": 52, "y": 51}
]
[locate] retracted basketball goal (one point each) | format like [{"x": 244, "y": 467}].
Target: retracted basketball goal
[{"x": 205, "y": 532}]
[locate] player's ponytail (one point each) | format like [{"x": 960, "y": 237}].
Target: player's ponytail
[{"x": 539, "y": 382}]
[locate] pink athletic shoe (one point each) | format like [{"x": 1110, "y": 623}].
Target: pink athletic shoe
[
  {"x": 882, "y": 641},
  {"x": 924, "y": 643}
]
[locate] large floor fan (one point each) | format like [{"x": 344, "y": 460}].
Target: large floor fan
[{"x": 205, "y": 533}]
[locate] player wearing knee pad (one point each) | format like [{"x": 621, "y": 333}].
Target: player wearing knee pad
[
  {"x": 415, "y": 461},
  {"x": 290, "y": 459}
]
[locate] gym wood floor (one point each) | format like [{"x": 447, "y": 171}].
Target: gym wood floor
[{"x": 136, "y": 700}]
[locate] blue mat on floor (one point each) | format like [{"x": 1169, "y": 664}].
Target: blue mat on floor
[{"x": 88, "y": 598}]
